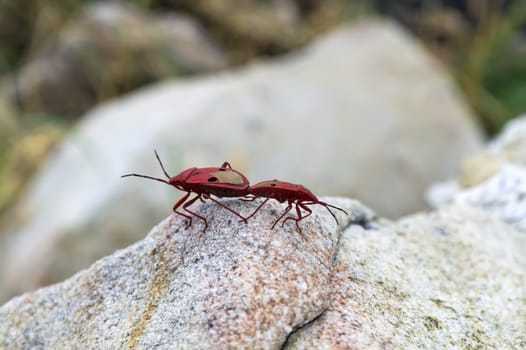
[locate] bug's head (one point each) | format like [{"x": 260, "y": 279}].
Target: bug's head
[
  {"x": 180, "y": 180},
  {"x": 169, "y": 181}
]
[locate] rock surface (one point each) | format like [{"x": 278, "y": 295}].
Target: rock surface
[
  {"x": 454, "y": 278},
  {"x": 235, "y": 285},
  {"x": 376, "y": 126}
]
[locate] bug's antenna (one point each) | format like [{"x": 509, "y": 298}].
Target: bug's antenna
[
  {"x": 147, "y": 177},
  {"x": 161, "y": 163},
  {"x": 334, "y": 216},
  {"x": 150, "y": 177},
  {"x": 327, "y": 205},
  {"x": 340, "y": 209}
]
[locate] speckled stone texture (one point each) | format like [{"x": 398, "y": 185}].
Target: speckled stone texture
[
  {"x": 236, "y": 285},
  {"x": 452, "y": 279}
]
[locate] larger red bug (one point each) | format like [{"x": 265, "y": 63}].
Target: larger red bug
[
  {"x": 293, "y": 194},
  {"x": 204, "y": 182}
]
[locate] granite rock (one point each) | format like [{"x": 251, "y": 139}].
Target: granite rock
[
  {"x": 451, "y": 279},
  {"x": 236, "y": 285},
  {"x": 454, "y": 278}
]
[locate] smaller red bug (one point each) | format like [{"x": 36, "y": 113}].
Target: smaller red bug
[
  {"x": 293, "y": 194},
  {"x": 221, "y": 182}
]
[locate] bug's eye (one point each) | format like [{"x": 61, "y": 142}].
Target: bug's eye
[{"x": 212, "y": 179}]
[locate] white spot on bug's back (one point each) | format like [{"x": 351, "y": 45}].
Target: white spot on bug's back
[{"x": 229, "y": 177}]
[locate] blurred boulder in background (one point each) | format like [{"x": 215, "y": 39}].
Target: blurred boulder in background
[
  {"x": 506, "y": 155},
  {"x": 108, "y": 49},
  {"x": 26, "y": 156},
  {"x": 508, "y": 147},
  {"x": 93, "y": 51},
  {"x": 251, "y": 28},
  {"x": 364, "y": 112}
]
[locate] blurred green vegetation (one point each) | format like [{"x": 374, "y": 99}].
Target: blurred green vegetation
[
  {"x": 492, "y": 70},
  {"x": 482, "y": 42}
]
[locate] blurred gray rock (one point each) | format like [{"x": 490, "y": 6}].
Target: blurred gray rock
[
  {"x": 500, "y": 164},
  {"x": 502, "y": 196},
  {"x": 251, "y": 28},
  {"x": 107, "y": 49},
  {"x": 364, "y": 112}
]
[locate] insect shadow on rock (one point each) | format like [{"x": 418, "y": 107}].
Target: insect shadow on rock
[
  {"x": 223, "y": 181},
  {"x": 293, "y": 194}
]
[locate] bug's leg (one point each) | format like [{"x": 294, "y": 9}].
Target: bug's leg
[
  {"x": 259, "y": 207},
  {"x": 300, "y": 214},
  {"x": 189, "y": 203},
  {"x": 178, "y": 204},
  {"x": 226, "y": 165},
  {"x": 287, "y": 209},
  {"x": 206, "y": 196},
  {"x": 307, "y": 209}
]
